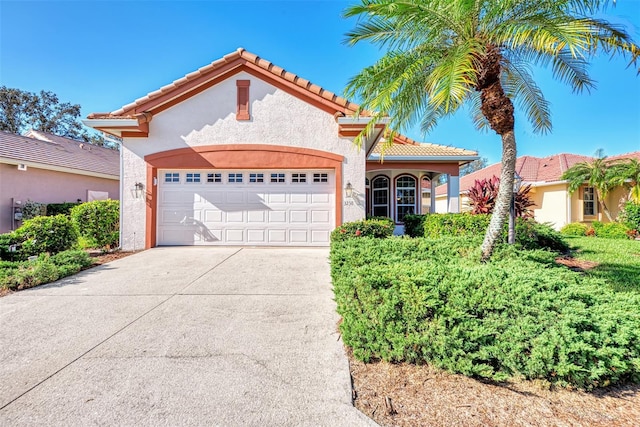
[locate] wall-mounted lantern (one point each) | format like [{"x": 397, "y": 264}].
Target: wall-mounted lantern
[
  {"x": 348, "y": 190},
  {"x": 138, "y": 190}
]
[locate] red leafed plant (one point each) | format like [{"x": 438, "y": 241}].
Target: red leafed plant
[{"x": 482, "y": 197}]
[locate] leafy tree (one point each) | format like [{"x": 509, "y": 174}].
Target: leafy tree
[
  {"x": 21, "y": 110},
  {"x": 443, "y": 54},
  {"x": 474, "y": 166},
  {"x": 598, "y": 174}
]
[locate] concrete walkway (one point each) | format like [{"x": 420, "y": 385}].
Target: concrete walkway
[{"x": 179, "y": 336}]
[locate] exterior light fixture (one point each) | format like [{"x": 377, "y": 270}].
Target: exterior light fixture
[
  {"x": 517, "y": 181},
  {"x": 348, "y": 190},
  {"x": 138, "y": 190}
]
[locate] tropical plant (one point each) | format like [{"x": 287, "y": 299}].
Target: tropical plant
[
  {"x": 443, "y": 54},
  {"x": 600, "y": 174},
  {"x": 627, "y": 172},
  {"x": 482, "y": 197}
]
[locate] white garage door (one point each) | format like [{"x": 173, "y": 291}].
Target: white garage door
[{"x": 263, "y": 207}]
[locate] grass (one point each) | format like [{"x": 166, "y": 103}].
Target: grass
[{"x": 618, "y": 260}]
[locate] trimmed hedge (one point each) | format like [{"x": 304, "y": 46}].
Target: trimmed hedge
[
  {"x": 529, "y": 233},
  {"x": 630, "y": 215},
  {"x": 610, "y": 230},
  {"x": 575, "y": 229},
  {"x": 376, "y": 227},
  {"x": 60, "y": 208},
  {"x": 98, "y": 222},
  {"x": 519, "y": 315}
]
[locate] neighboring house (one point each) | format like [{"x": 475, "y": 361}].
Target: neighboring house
[
  {"x": 46, "y": 168},
  {"x": 553, "y": 203},
  {"x": 242, "y": 152}
]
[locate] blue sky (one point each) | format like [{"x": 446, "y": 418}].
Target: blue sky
[{"x": 104, "y": 54}]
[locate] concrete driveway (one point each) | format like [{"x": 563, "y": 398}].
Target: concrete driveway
[{"x": 179, "y": 336}]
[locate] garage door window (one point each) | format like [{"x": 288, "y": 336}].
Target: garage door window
[
  {"x": 214, "y": 177},
  {"x": 320, "y": 177},
  {"x": 277, "y": 177},
  {"x": 298, "y": 178},
  {"x": 193, "y": 177},
  {"x": 256, "y": 177},
  {"x": 171, "y": 177},
  {"x": 235, "y": 177}
]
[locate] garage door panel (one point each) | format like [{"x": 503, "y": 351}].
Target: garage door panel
[
  {"x": 320, "y": 198},
  {"x": 320, "y": 217},
  {"x": 299, "y": 216},
  {"x": 255, "y": 213}
]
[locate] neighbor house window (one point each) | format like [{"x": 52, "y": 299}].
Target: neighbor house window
[
  {"x": 589, "y": 201},
  {"x": 405, "y": 196},
  {"x": 380, "y": 196}
]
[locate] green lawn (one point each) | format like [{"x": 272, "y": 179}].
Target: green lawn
[{"x": 619, "y": 260}]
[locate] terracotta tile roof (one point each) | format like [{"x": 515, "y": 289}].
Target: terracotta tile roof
[
  {"x": 633, "y": 155},
  {"x": 227, "y": 63},
  {"x": 533, "y": 170},
  {"x": 62, "y": 152},
  {"x": 410, "y": 148}
]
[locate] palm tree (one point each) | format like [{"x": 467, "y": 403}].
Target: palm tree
[
  {"x": 442, "y": 54},
  {"x": 599, "y": 174},
  {"x": 628, "y": 173}
]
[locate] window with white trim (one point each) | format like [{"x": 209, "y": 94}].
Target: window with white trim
[
  {"x": 256, "y": 177},
  {"x": 405, "y": 196},
  {"x": 277, "y": 177},
  {"x": 589, "y": 201},
  {"x": 171, "y": 177},
  {"x": 299, "y": 177},
  {"x": 235, "y": 177},
  {"x": 380, "y": 196},
  {"x": 214, "y": 177},
  {"x": 320, "y": 177},
  {"x": 192, "y": 177}
]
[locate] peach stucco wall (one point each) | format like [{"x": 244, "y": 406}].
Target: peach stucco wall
[{"x": 44, "y": 186}]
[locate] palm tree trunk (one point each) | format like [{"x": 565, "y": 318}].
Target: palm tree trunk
[
  {"x": 505, "y": 192},
  {"x": 603, "y": 206}
]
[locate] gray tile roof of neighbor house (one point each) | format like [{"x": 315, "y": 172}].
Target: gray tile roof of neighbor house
[{"x": 46, "y": 149}]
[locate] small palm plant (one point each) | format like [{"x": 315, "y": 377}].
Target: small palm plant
[{"x": 482, "y": 198}]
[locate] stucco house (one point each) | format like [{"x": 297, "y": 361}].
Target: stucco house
[
  {"x": 46, "y": 168},
  {"x": 243, "y": 152},
  {"x": 553, "y": 203}
]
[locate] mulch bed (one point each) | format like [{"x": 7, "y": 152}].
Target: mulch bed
[
  {"x": 409, "y": 395},
  {"x": 576, "y": 264}
]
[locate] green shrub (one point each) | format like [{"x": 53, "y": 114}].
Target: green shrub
[
  {"x": 98, "y": 222},
  {"x": 7, "y": 271},
  {"x": 414, "y": 225},
  {"x": 71, "y": 262},
  {"x": 630, "y": 215},
  {"x": 60, "y": 208},
  {"x": 42, "y": 234},
  {"x": 455, "y": 224},
  {"x": 519, "y": 315},
  {"x": 534, "y": 235},
  {"x": 34, "y": 273},
  {"x": 611, "y": 230},
  {"x": 31, "y": 209},
  {"x": 529, "y": 233},
  {"x": 574, "y": 229},
  {"x": 375, "y": 227},
  {"x": 6, "y": 241}
]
